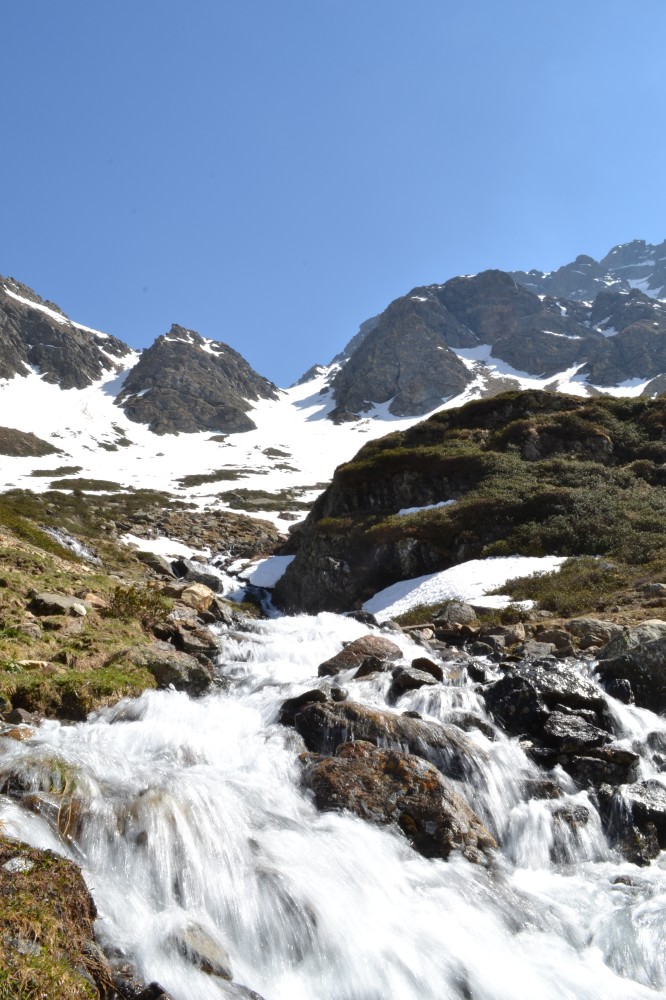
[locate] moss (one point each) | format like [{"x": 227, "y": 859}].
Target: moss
[
  {"x": 92, "y": 485},
  {"x": 220, "y": 475},
  {"x": 63, "y": 470},
  {"x": 46, "y": 924}
]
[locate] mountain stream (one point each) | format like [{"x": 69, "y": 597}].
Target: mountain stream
[{"x": 188, "y": 818}]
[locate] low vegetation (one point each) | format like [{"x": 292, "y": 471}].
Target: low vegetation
[
  {"x": 531, "y": 473},
  {"x": 46, "y": 928}
]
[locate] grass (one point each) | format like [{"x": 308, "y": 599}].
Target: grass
[
  {"x": 92, "y": 485},
  {"x": 46, "y": 921},
  {"x": 63, "y": 470},
  {"x": 532, "y": 473}
]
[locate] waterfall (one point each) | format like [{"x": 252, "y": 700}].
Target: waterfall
[{"x": 189, "y": 821}]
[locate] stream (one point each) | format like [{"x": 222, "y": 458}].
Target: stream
[{"x": 190, "y": 823}]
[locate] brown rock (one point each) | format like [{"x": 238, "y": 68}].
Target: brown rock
[
  {"x": 356, "y": 652},
  {"x": 389, "y": 786}
]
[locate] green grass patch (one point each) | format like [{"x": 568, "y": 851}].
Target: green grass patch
[
  {"x": 63, "y": 470},
  {"x": 92, "y": 485}
]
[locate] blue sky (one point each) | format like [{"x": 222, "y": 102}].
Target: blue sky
[{"x": 273, "y": 173}]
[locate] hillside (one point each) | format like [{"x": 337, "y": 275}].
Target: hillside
[{"x": 528, "y": 473}]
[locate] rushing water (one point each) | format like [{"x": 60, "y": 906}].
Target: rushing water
[{"x": 188, "y": 814}]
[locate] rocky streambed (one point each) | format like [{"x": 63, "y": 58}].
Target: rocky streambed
[{"x": 312, "y": 806}]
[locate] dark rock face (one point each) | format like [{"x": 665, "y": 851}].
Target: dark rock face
[
  {"x": 184, "y": 383},
  {"x": 405, "y": 358},
  {"x": 49, "y": 342},
  {"x": 639, "y": 656},
  {"x": 388, "y": 786},
  {"x": 324, "y": 726}
]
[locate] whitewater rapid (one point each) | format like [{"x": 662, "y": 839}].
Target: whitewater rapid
[{"x": 189, "y": 814}]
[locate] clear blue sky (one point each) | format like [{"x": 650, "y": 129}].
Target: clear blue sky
[{"x": 273, "y": 172}]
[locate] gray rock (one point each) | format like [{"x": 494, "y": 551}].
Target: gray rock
[
  {"x": 201, "y": 949},
  {"x": 454, "y": 613},
  {"x": 639, "y": 655},
  {"x": 169, "y": 666},
  {"x": 593, "y": 631},
  {"x": 47, "y": 603},
  {"x": 408, "y": 679}
]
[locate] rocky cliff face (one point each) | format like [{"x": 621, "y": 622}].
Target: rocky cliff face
[
  {"x": 629, "y": 265},
  {"x": 187, "y": 383},
  {"x": 484, "y": 332},
  {"x": 35, "y": 334}
]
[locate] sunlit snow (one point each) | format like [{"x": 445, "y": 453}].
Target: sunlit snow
[{"x": 470, "y": 581}]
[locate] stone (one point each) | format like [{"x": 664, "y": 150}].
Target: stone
[
  {"x": 639, "y": 656},
  {"x": 454, "y": 613},
  {"x": 355, "y": 652},
  {"x": 197, "y": 596},
  {"x": 201, "y": 949},
  {"x": 372, "y": 665},
  {"x": 160, "y": 565},
  {"x": 47, "y": 603},
  {"x": 169, "y": 666},
  {"x": 197, "y": 573},
  {"x": 593, "y": 631},
  {"x": 408, "y": 679},
  {"x": 324, "y": 726},
  {"x": 571, "y": 734},
  {"x": 390, "y": 786},
  {"x": 289, "y": 707}
]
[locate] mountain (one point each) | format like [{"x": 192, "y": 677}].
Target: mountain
[
  {"x": 637, "y": 264},
  {"x": 35, "y": 334},
  {"x": 187, "y": 383},
  {"x": 188, "y": 415}
]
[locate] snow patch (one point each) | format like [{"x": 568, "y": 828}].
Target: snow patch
[
  {"x": 469, "y": 582},
  {"x": 266, "y": 572}
]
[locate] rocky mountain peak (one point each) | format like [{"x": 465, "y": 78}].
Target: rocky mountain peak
[
  {"x": 35, "y": 335},
  {"x": 185, "y": 383}
]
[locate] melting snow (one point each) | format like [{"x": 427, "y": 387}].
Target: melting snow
[
  {"x": 430, "y": 506},
  {"x": 468, "y": 582}
]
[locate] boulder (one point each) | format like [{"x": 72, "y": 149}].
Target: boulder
[
  {"x": 324, "y": 726},
  {"x": 593, "y": 631},
  {"x": 47, "y": 603},
  {"x": 197, "y": 573},
  {"x": 292, "y": 705},
  {"x": 169, "y": 666},
  {"x": 429, "y": 666},
  {"x": 201, "y": 949},
  {"x": 355, "y": 652},
  {"x": 160, "y": 565},
  {"x": 572, "y": 734},
  {"x": 639, "y": 656},
  {"x": 409, "y": 679},
  {"x": 390, "y": 786},
  {"x": 197, "y": 596},
  {"x": 454, "y": 613}
]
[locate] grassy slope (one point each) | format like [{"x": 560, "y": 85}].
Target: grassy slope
[{"x": 533, "y": 473}]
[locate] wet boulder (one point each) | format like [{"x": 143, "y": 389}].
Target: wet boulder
[
  {"x": 390, "y": 786},
  {"x": 289, "y": 707},
  {"x": 409, "y": 679},
  {"x": 324, "y": 726},
  {"x": 424, "y": 663},
  {"x": 195, "y": 572},
  {"x": 355, "y": 652},
  {"x": 634, "y": 817},
  {"x": 570, "y": 733},
  {"x": 202, "y": 950},
  {"x": 639, "y": 656}
]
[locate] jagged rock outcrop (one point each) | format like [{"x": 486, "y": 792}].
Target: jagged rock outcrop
[
  {"x": 36, "y": 335},
  {"x": 626, "y": 266},
  {"x": 185, "y": 383}
]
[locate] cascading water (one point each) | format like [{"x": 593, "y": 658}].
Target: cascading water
[{"x": 190, "y": 824}]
